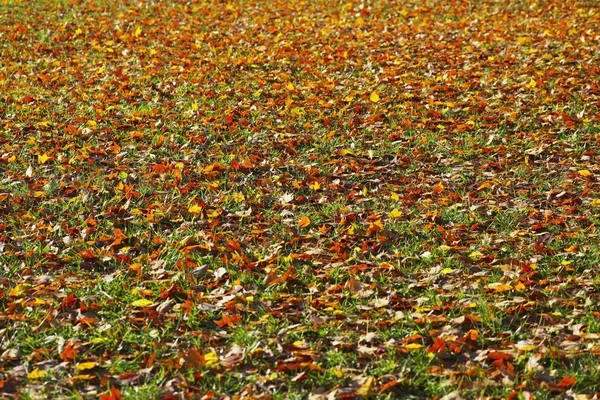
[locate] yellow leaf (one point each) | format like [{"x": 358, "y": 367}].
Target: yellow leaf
[
  {"x": 584, "y": 172},
  {"x": 476, "y": 255},
  {"x": 42, "y": 158},
  {"x": 288, "y": 101},
  {"x": 194, "y": 106},
  {"x": 17, "y": 291},
  {"x": 138, "y": 32},
  {"x": 91, "y": 123},
  {"x": 519, "y": 287},
  {"x": 37, "y": 374},
  {"x": 337, "y": 372},
  {"x": 527, "y": 347},
  {"x": 78, "y": 31},
  {"x": 141, "y": 303},
  {"x": 367, "y": 387},
  {"x": 211, "y": 359},
  {"x": 499, "y": 287},
  {"x": 238, "y": 197},
  {"x": 595, "y": 202},
  {"x": 572, "y": 249},
  {"x": 531, "y": 84},
  {"x": 304, "y": 221},
  {"x": 374, "y": 97},
  {"x": 38, "y": 302},
  {"x": 413, "y": 346},
  {"x": 195, "y": 209},
  {"x": 290, "y": 86},
  {"x": 315, "y": 185},
  {"x": 83, "y": 377},
  {"x": 446, "y": 271},
  {"x": 85, "y": 365},
  {"x": 394, "y": 196},
  {"x": 213, "y": 214},
  {"x": 395, "y": 213},
  {"x": 12, "y": 159}
]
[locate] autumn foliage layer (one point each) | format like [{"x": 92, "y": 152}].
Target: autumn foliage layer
[{"x": 299, "y": 199}]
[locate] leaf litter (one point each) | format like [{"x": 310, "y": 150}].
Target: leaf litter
[{"x": 312, "y": 199}]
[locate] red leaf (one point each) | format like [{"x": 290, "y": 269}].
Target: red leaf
[
  {"x": 498, "y": 355},
  {"x": 567, "y": 382},
  {"x": 69, "y": 301},
  {"x": 115, "y": 394},
  {"x": 438, "y": 346}
]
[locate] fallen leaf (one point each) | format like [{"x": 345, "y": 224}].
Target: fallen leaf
[
  {"x": 85, "y": 365},
  {"x": 37, "y": 374},
  {"x": 142, "y": 303},
  {"x": 304, "y": 221},
  {"x": 367, "y": 387}
]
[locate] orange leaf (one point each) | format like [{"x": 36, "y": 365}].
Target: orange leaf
[
  {"x": 229, "y": 321},
  {"x": 68, "y": 353},
  {"x": 304, "y": 221}
]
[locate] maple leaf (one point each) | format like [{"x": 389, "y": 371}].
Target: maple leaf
[
  {"x": 42, "y": 158},
  {"x": 304, "y": 221}
]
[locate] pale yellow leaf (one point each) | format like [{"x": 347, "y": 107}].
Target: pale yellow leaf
[
  {"x": 142, "y": 303},
  {"x": 499, "y": 287},
  {"x": 367, "y": 387}
]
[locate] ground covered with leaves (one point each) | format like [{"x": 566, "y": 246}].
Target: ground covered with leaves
[{"x": 299, "y": 199}]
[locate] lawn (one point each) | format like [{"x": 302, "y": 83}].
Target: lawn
[{"x": 301, "y": 199}]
